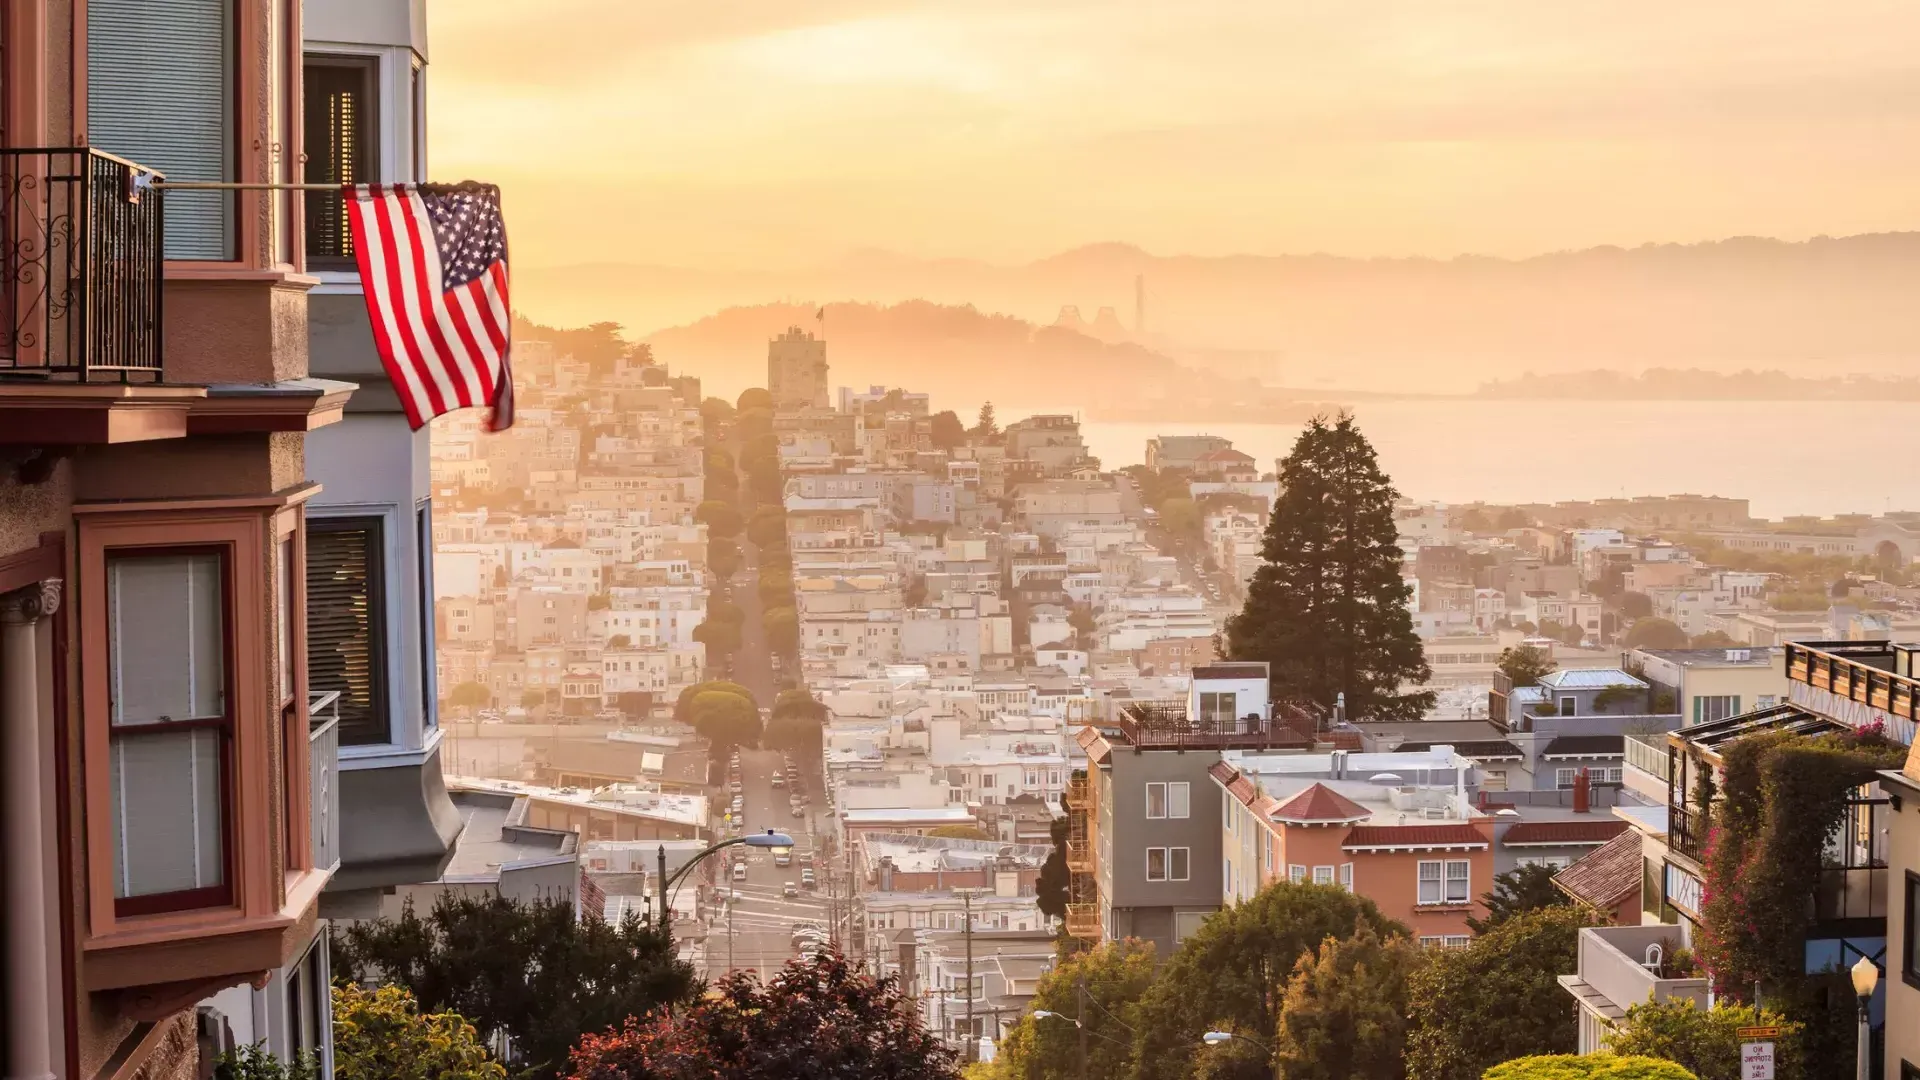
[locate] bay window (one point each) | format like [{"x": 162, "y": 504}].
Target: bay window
[{"x": 170, "y": 729}]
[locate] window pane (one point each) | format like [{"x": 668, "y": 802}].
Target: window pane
[
  {"x": 340, "y": 125},
  {"x": 1177, "y": 863},
  {"x": 346, "y": 639},
  {"x": 1323, "y": 875},
  {"x": 1156, "y": 864},
  {"x": 1177, "y": 800},
  {"x": 429, "y": 677},
  {"x": 283, "y": 619},
  {"x": 166, "y": 635},
  {"x": 165, "y": 802},
  {"x": 1156, "y": 800}
]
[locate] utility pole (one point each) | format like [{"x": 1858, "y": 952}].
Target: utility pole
[
  {"x": 1080, "y": 994},
  {"x": 666, "y": 918},
  {"x": 966, "y": 901}
]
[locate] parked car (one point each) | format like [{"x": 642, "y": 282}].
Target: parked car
[
  {"x": 806, "y": 858},
  {"x": 779, "y": 781},
  {"x": 783, "y": 858},
  {"x": 799, "y": 811},
  {"x": 789, "y": 889}
]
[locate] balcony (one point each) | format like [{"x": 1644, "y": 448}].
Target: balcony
[
  {"x": 1686, "y": 833},
  {"x": 1083, "y": 921},
  {"x": 1621, "y": 966},
  {"x": 323, "y": 764},
  {"x": 1076, "y": 798},
  {"x": 1167, "y": 726},
  {"x": 1079, "y": 857},
  {"x": 1857, "y": 682},
  {"x": 80, "y": 267}
]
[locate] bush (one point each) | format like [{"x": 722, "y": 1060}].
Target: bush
[
  {"x": 382, "y": 1035},
  {"x": 1586, "y": 1067},
  {"x": 1497, "y": 999},
  {"x": 1704, "y": 1041}
]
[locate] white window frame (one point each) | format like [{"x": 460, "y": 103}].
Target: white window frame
[
  {"x": 1179, "y": 800},
  {"x": 1323, "y": 875},
  {"x": 1186, "y": 857},
  {"x": 1162, "y": 792},
  {"x": 1346, "y": 876},
  {"x": 1296, "y": 873}
]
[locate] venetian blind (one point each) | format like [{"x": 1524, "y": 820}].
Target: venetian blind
[
  {"x": 345, "y": 638},
  {"x": 161, "y": 91}
]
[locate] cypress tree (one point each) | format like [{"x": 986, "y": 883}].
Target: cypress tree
[{"x": 1329, "y": 610}]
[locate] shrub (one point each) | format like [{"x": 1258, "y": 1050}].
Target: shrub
[{"x": 1587, "y": 1067}]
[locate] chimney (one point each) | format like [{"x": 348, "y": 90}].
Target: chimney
[
  {"x": 1582, "y": 793},
  {"x": 886, "y": 873}
]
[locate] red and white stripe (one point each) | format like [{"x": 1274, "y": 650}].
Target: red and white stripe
[{"x": 443, "y": 349}]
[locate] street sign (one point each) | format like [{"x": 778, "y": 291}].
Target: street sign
[
  {"x": 1771, "y": 1031},
  {"x": 1756, "y": 1061}
]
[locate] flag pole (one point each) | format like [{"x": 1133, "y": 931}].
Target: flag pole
[{"x": 219, "y": 185}]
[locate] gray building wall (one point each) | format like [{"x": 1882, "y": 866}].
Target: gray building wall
[{"x": 1151, "y": 910}]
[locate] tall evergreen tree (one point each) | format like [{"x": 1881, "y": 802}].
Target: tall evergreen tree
[{"x": 1329, "y": 609}]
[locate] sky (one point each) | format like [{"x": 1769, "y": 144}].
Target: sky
[{"x": 736, "y": 134}]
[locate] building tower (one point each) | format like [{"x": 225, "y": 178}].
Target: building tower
[{"x": 797, "y": 370}]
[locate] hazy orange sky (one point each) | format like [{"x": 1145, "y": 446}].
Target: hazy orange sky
[{"x": 741, "y": 133}]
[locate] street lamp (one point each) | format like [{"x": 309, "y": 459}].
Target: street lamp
[
  {"x": 1215, "y": 1038},
  {"x": 1866, "y": 975},
  {"x": 775, "y": 841}
]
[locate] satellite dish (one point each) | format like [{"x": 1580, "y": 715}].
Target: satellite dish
[{"x": 1385, "y": 779}]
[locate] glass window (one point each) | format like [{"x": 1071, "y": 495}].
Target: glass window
[
  {"x": 429, "y": 677},
  {"x": 1297, "y": 873},
  {"x": 1458, "y": 873},
  {"x": 1431, "y": 884},
  {"x": 346, "y": 624},
  {"x": 170, "y": 730},
  {"x": 342, "y": 132},
  {"x": 1156, "y": 864},
  {"x": 1910, "y": 961},
  {"x": 1156, "y": 800},
  {"x": 1346, "y": 876},
  {"x": 1177, "y": 859},
  {"x": 1178, "y": 799},
  {"x": 142, "y": 54},
  {"x": 1323, "y": 875}
]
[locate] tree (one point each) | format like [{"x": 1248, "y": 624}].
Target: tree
[
  {"x": 716, "y": 413},
  {"x": 634, "y": 703},
  {"x": 1344, "y": 1015},
  {"x": 722, "y": 485},
  {"x": 818, "y": 1018},
  {"x": 1115, "y": 976},
  {"x": 470, "y": 695},
  {"x": 533, "y": 699},
  {"x": 536, "y": 972},
  {"x": 1328, "y": 609},
  {"x": 382, "y": 1035},
  {"x": 1636, "y": 605},
  {"x": 1654, "y": 633},
  {"x": 754, "y": 397},
  {"x": 1494, "y": 1000},
  {"x": 768, "y": 527},
  {"x": 945, "y": 430},
  {"x": 723, "y": 558},
  {"x": 959, "y": 832},
  {"x": 782, "y": 625},
  {"x": 683, "y": 705},
  {"x": 1706, "y": 1042},
  {"x": 1180, "y": 518},
  {"x": 1231, "y": 972},
  {"x": 1050, "y": 891},
  {"x": 799, "y": 704},
  {"x": 1713, "y": 639},
  {"x": 796, "y": 734},
  {"x": 1522, "y": 889},
  {"x": 720, "y": 638},
  {"x": 721, "y": 519},
  {"x": 1526, "y": 665},
  {"x": 725, "y": 720},
  {"x": 1587, "y": 1067},
  {"x": 985, "y": 427},
  {"x": 776, "y": 587},
  {"x": 255, "y": 1062}
]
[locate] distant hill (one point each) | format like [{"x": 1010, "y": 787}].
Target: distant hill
[
  {"x": 1667, "y": 384},
  {"x": 962, "y": 356},
  {"x": 1817, "y": 307}
]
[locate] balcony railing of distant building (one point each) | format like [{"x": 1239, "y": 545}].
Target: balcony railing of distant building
[
  {"x": 323, "y": 769},
  {"x": 81, "y": 263},
  {"x": 1649, "y": 753},
  {"x": 1879, "y": 675},
  {"x": 1168, "y": 726}
]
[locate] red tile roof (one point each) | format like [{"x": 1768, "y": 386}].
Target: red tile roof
[
  {"x": 1597, "y": 831},
  {"x": 1320, "y": 804},
  {"x": 1603, "y": 877},
  {"x": 1413, "y": 836}
]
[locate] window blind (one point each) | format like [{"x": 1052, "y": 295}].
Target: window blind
[
  {"x": 346, "y": 638},
  {"x": 340, "y": 126},
  {"x": 167, "y": 628},
  {"x": 161, "y": 90}
]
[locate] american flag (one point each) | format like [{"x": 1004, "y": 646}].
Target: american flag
[{"x": 433, "y": 263}]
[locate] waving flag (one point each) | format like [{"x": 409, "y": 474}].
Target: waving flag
[{"x": 433, "y": 264}]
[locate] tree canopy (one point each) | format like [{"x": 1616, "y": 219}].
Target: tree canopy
[
  {"x": 724, "y": 719},
  {"x": 768, "y": 527},
  {"x": 1655, "y": 633},
  {"x": 945, "y": 430},
  {"x": 1525, "y": 664},
  {"x": 1230, "y": 974},
  {"x": 986, "y": 426},
  {"x": 818, "y": 1019},
  {"x": 1344, "y": 1015},
  {"x": 683, "y": 705},
  {"x": 536, "y": 972},
  {"x": 782, "y": 625},
  {"x": 1587, "y": 1067},
  {"x": 721, "y": 519},
  {"x": 1116, "y": 975},
  {"x": 1521, "y": 889},
  {"x": 1705, "y": 1042},
  {"x": 1495, "y": 1000},
  {"x": 382, "y": 1035},
  {"x": 1050, "y": 891},
  {"x": 1328, "y": 608},
  {"x": 720, "y": 638},
  {"x": 754, "y": 397},
  {"x": 470, "y": 695}
]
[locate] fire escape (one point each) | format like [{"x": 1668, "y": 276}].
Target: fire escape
[{"x": 1083, "y": 890}]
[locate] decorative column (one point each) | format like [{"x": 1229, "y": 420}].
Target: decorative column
[{"x": 30, "y": 1041}]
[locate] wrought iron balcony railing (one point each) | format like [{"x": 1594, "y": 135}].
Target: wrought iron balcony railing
[{"x": 81, "y": 263}]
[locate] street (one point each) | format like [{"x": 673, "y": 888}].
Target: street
[{"x": 762, "y": 919}]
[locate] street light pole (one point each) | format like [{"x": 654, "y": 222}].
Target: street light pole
[
  {"x": 1080, "y": 995},
  {"x": 1865, "y": 975}
]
